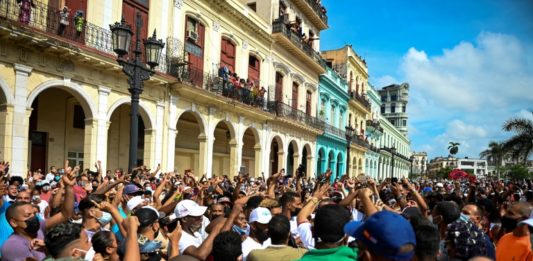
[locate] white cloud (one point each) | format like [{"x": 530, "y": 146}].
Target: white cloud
[
  {"x": 384, "y": 81},
  {"x": 466, "y": 93}
]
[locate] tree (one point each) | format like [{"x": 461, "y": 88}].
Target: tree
[
  {"x": 518, "y": 171},
  {"x": 454, "y": 148},
  {"x": 494, "y": 153},
  {"x": 521, "y": 144},
  {"x": 444, "y": 172}
]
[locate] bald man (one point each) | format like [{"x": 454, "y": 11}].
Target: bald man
[{"x": 516, "y": 244}]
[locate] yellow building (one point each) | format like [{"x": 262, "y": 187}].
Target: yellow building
[
  {"x": 65, "y": 97},
  {"x": 353, "y": 69}
]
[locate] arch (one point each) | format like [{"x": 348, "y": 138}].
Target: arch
[
  {"x": 143, "y": 111},
  {"x": 196, "y": 16},
  {"x": 6, "y": 93},
  {"x": 295, "y": 146},
  {"x": 307, "y": 147},
  {"x": 230, "y": 126},
  {"x": 230, "y": 38},
  {"x": 278, "y": 139},
  {"x": 256, "y": 135},
  {"x": 72, "y": 88},
  {"x": 199, "y": 118}
]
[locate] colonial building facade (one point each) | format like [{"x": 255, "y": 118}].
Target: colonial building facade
[
  {"x": 333, "y": 110},
  {"x": 64, "y": 97}
]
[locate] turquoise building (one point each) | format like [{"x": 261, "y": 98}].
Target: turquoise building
[{"x": 333, "y": 110}]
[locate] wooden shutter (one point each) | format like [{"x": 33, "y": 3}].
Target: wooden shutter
[
  {"x": 308, "y": 103},
  {"x": 279, "y": 87},
  {"x": 129, "y": 12},
  {"x": 295, "y": 96},
  {"x": 227, "y": 54},
  {"x": 196, "y": 62},
  {"x": 254, "y": 68}
]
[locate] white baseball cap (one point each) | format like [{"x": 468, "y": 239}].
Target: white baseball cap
[
  {"x": 134, "y": 202},
  {"x": 439, "y": 185},
  {"x": 189, "y": 208},
  {"x": 260, "y": 215}
]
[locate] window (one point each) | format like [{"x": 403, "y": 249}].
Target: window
[
  {"x": 75, "y": 159},
  {"x": 393, "y": 107},
  {"x": 383, "y": 109},
  {"x": 253, "y": 6},
  {"x": 393, "y": 122},
  {"x": 394, "y": 97},
  {"x": 404, "y": 107},
  {"x": 227, "y": 54},
  {"x": 279, "y": 87},
  {"x": 384, "y": 98},
  {"x": 295, "y": 95},
  {"x": 78, "y": 121},
  {"x": 308, "y": 98},
  {"x": 404, "y": 123},
  {"x": 254, "y": 69}
]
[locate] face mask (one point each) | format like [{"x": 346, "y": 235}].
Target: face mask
[
  {"x": 57, "y": 178},
  {"x": 32, "y": 226},
  {"x": 105, "y": 218},
  {"x": 148, "y": 189},
  {"x": 509, "y": 224},
  {"x": 76, "y": 221},
  {"x": 150, "y": 246},
  {"x": 238, "y": 230},
  {"x": 464, "y": 217}
]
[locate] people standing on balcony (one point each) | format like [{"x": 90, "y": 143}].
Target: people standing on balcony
[
  {"x": 223, "y": 72},
  {"x": 25, "y": 10},
  {"x": 63, "y": 20},
  {"x": 79, "y": 22}
]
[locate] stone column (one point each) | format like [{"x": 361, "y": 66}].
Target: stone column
[
  {"x": 90, "y": 142},
  {"x": 158, "y": 139},
  {"x": 21, "y": 115},
  {"x": 170, "y": 148},
  {"x": 6, "y": 128},
  {"x": 102, "y": 126},
  {"x": 257, "y": 160},
  {"x": 149, "y": 148},
  {"x": 205, "y": 155},
  {"x": 233, "y": 159}
]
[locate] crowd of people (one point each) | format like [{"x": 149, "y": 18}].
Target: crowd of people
[
  {"x": 74, "y": 214},
  {"x": 246, "y": 91}
]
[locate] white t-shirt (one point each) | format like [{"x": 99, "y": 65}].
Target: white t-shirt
[
  {"x": 294, "y": 227},
  {"x": 42, "y": 208},
  {"x": 50, "y": 177},
  {"x": 188, "y": 240},
  {"x": 306, "y": 235},
  {"x": 249, "y": 244}
]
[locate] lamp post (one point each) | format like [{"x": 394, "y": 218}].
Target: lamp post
[
  {"x": 349, "y": 135},
  {"x": 393, "y": 152},
  {"x": 136, "y": 70}
]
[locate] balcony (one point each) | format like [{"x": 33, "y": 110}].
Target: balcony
[
  {"x": 360, "y": 99},
  {"x": 250, "y": 93},
  {"x": 295, "y": 44},
  {"x": 43, "y": 25},
  {"x": 358, "y": 140},
  {"x": 374, "y": 126},
  {"x": 285, "y": 111},
  {"x": 335, "y": 131},
  {"x": 314, "y": 11}
]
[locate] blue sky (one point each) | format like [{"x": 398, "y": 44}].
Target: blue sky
[{"x": 469, "y": 63}]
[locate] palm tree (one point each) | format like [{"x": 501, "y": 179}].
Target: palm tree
[
  {"x": 495, "y": 153},
  {"x": 454, "y": 148},
  {"x": 521, "y": 144}
]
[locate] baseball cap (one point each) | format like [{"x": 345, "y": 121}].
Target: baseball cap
[
  {"x": 528, "y": 221},
  {"x": 385, "y": 233},
  {"x": 146, "y": 216},
  {"x": 224, "y": 200},
  {"x": 189, "y": 208},
  {"x": 439, "y": 185},
  {"x": 260, "y": 215},
  {"x": 134, "y": 202},
  {"x": 411, "y": 212},
  {"x": 131, "y": 189}
]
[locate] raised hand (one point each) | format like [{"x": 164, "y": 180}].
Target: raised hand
[
  {"x": 175, "y": 236},
  {"x": 321, "y": 191},
  {"x": 4, "y": 165}
]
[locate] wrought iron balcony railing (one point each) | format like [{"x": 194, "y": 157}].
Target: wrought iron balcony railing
[
  {"x": 374, "y": 124},
  {"x": 319, "y": 9},
  {"x": 279, "y": 26},
  {"x": 285, "y": 111},
  {"x": 361, "y": 99},
  {"x": 335, "y": 131},
  {"x": 46, "y": 20}
]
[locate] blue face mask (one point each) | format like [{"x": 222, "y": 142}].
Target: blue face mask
[
  {"x": 150, "y": 246},
  {"x": 57, "y": 178},
  {"x": 464, "y": 217},
  {"x": 241, "y": 231},
  {"x": 105, "y": 218}
]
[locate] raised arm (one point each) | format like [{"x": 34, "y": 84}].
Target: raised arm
[
  {"x": 67, "y": 211},
  {"x": 132, "y": 247},
  {"x": 312, "y": 203},
  {"x": 204, "y": 250}
]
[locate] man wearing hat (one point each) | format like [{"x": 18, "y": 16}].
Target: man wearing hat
[
  {"x": 192, "y": 243},
  {"x": 384, "y": 236},
  {"x": 259, "y": 219},
  {"x": 149, "y": 245}
]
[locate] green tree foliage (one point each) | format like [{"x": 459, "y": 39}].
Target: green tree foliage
[
  {"x": 453, "y": 148},
  {"x": 519, "y": 171},
  {"x": 521, "y": 143}
]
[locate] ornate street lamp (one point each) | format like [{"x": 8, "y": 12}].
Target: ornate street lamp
[
  {"x": 393, "y": 152},
  {"x": 349, "y": 136},
  {"x": 136, "y": 70}
]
